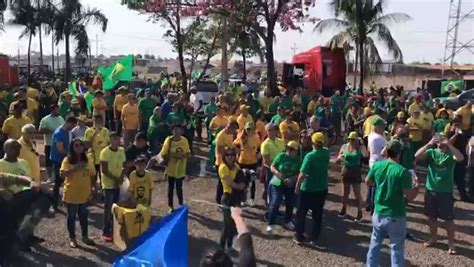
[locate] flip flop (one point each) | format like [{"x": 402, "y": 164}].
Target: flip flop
[{"x": 452, "y": 251}]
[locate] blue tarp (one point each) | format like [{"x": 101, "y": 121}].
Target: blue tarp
[{"x": 165, "y": 243}]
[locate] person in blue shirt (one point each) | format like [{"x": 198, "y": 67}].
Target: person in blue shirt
[
  {"x": 59, "y": 149},
  {"x": 167, "y": 106}
]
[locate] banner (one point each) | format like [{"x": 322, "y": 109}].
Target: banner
[
  {"x": 164, "y": 244},
  {"x": 452, "y": 86},
  {"x": 122, "y": 70}
]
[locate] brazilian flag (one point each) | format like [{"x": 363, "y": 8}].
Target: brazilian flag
[{"x": 451, "y": 86}]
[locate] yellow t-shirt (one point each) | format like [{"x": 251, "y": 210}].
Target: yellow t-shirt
[
  {"x": 31, "y": 107},
  {"x": 32, "y": 93},
  {"x": 272, "y": 148},
  {"x": 414, "y": 106},
  {"x": 12, "y": 126},
  {"x": 20, "y": 167},
  {"x": 141, "y": 186},
  {"x": 135, "y": 221},
  {"x": 289, "y": 131},
  {"x": 225, "y": 140},
  {"x": 176, "y": 166},
  {"x": 312, "y": 105},
  {"x": 265, "y": 103},
  {"x": 242, "y": 120},
  {"x": 218, "y": 123},
  {"x": 428, "y": 120},
  {"x": 101, "y": 140},
  {"x": 415, "y": 129},
  {"x": 466, "y": 114},
  {"x": 31, "y": 156},
  {"x": 248, "y": 150},
  {"x": 130, "y": 116},
  {"x": 368, "y": 111},
  {"x": 115, "y": 161},
  {"x": 224, "y": 171},
  {"x": 78, "y": 185},
  {"x": 120, "y": 101},
  {"x": 260, "y": 130}
]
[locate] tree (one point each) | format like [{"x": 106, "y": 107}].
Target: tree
[
  {"x": 359, "y": 22},
  {"x": 246, "y": 43},
  {"x": 71, "y": 20},
  {"x": 3, "y": 7}
]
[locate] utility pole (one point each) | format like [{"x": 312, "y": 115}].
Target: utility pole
[
  {"x": 224, "y": 60},
  {"x": 97, "y": 41},
  {"x": 57, "y": 55},
  {"x": 52, "y": 53}
]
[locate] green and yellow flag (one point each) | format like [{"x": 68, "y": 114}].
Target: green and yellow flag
[
  {"x": 122, "y": 70},
  {"x": 451, "y": 86}
]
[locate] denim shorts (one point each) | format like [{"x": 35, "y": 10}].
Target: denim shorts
[{"x": 439, "y": 205}]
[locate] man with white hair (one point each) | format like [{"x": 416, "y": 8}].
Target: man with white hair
[{"x": 29, "y": 152}]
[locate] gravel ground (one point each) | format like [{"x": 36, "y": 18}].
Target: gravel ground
[{"x": 342, "y": 242}]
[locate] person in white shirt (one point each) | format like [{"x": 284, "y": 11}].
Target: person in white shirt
[{"x": 376, "y": 145}]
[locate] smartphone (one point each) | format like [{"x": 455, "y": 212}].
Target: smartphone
[{"x": 437, "y": 137}]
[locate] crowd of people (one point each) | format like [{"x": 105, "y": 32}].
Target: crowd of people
[{"x": 280, "y": 141}]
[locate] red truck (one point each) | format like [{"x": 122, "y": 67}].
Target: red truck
[
  {"x": 318, "y": 69},
  {"x": 8, "y": 74}
]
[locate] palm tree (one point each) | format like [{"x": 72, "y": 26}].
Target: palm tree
[
  {"x": 71, "y": 19},
  {"x": 3, "y": 7},
  {"x": 359, "y": 21}
]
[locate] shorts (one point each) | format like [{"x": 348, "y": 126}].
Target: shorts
[
  {"x": 351, "y": 176},
  {"x": 439, "y": 205}
]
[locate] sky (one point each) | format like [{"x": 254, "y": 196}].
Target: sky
[{"x": 421, "y": 39}]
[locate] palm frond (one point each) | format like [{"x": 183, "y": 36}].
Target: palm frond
[
  {"x": 393, "y": 18},
  {"x": 340, "y": 40},
  {"x": 96, "y": 17},
  {"x": 79, "y": 32},
  {"x": 327, "y": 24},
  {"x": 385, "y": 36}
]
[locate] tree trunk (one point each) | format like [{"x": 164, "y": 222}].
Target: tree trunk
[
  {"x": 67, "y": 71},
  {"x": 271, "y": 72},
  {"x": 29, "y": 57},
  {"x": 356, "y": 60},
  {"x": 244, "y": 61},
  {"x": 52, "y": 52},
  {"x": 180, "y": 41},
  {"x": 361, "y": 63},
  {"x": 40, "y": 32},
  {"x": 209, "y": 55},
  {"x": 224, "y": 59}
]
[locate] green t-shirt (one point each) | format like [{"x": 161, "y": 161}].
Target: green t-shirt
[
  {"x": 64, "y": 109},
  {"x": 407, "y": 155},
  {"x": 157, "y": 128},
  {"x": 439, "y": 125},
  {"x": 277, "y": 119},
  {"x": 305, "y": 99},
  {"x": 337, "y": 104},
  {"x": 273, "y": 107},
  {"x": 254, "y": 107},
  {"x": 352, "y": 159},
  {"x": 315, "y": 167},
  {"x": 286, "y": 103},
  {"x": 391, "y": 179},
  {"x": 210, "y": 110},
  {"x": 146, "y": 106},
  {"x": 175, "y": 118},
  {"x": 288, "y": 166},
  {"x": 440, "y": 170}
]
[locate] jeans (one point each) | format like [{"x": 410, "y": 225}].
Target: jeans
[
  {"x": 396, "y": 229},
  {"x": 460, "y": 178},
  {"x": 313, "y": 201},
  {"x": 268, "y": 176},
  {"x": 111, "y": 196},
  {"x": 172, "y": 181},
  {"x": 81, "y": 211},
  {"x": 219, "y": 189},
  {"x": 229, "y": 231},
  {"x": 58, "y": 181},
  {"x": 371, "y": 198},
  {"x": 277, "y": 193}
]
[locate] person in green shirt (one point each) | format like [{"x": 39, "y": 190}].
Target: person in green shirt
[
  {"x": 279, "y": 117},
  {"x": 285, "y": 168},
  {"x": 210, "y": 110},
  {"x": 65, "y": 106},
  {"x": 176, "y": 116},
  {"x": 273, "y": 107},
  {"x": 351, "y": 155},
  {"x": 311, "y": 188},
  {"x": 439, "y": 201},
  {"x": 393, "y": 189},
  {"x": 287, "y": 100},
  {"x": 440, "y": 124},
  {"x": 157, "y": 131},
  {"x": 146, "y": 106},
  {"x": 336, "y": 104}
]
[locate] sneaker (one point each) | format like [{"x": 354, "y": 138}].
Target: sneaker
[
  {"x": 73, "y": 243},
  {"x": 290, "y": 225},
  {"x": 359, "y": 216},
  {"x": 170, "y": 210},
  {"x": 107, "y": 238},
  {"x": 251, "y": 203},
  {"x": 297, "y": 240},
  {"x": 342, "y": 213},
  {"x": 269, "y": 229},
  {"x": 88, "y": 241}
]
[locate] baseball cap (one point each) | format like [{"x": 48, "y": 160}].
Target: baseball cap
[
  {"x": 379, "y": 122},
  {"x": 317, "y": 138},
  {"x": 293, "y": 144},
  {"x": 352, "y": 135}
]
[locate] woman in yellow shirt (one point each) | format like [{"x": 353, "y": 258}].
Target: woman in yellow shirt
[
  {"x": 77, "y": 171},
  {"x": 248, "y": 146},
  {"x": 228, "y": 170}
]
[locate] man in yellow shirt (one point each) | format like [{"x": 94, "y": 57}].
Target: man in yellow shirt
[
  {"x": 130, "y": 120},
  {"x": 271, "y": 147},
  {"x": 96, "y": 138},
  {"x": 112, "y": 163},
  {"x": 244, "y": 117},
  {"x": 13, "y": 124},
  {"x": 29, "y": 153},
  {"x": 466, "y": 113},
  {"x": 30, "y": 107},
  {"x": 219, "y": 121},
  {"x": 416, "y": 105},
  {"x": 224, "y": 140},
  {"x": 415, "y": 130},
  {"x": 120, "y": 101},
  {"x": 289, "y": 129}
]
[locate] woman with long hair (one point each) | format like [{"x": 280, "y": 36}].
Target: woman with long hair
[
  {"x": 227, "y": 174},
  {"x": 78, "y": 172},
  {"x": 248, "y": 145},
  {"x": 351, "y": 156}
]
